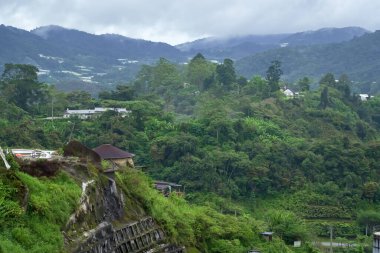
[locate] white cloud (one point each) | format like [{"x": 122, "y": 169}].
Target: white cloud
[{"x": 177, "y": 21}]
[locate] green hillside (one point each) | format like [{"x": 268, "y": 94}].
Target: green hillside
[{"x": 249, "y": 158}]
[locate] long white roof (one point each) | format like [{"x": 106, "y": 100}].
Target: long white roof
[{"x": 96, "y": 110}]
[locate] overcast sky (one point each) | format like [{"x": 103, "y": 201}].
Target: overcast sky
[{"x": 176, "y": 21}]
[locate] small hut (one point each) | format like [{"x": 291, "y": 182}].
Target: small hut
[
  {"x": 267, "y": 235},
  {"x": 115, "y": 155},
  {"x": 166, "y": 188}
]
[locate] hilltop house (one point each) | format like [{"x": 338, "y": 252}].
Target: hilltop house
[
  {"x": 365, "y": 97},
  {"x": 115, "y": 155},
  {"x": 288, "y": 93},
  {"x": 88, "y": 113}
]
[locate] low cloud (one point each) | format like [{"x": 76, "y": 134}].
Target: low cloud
[{"x": 179, "y": 21}]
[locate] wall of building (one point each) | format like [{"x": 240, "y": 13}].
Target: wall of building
[
  {"x": 376, "y": 242},
  {"x": 123, "y": 162}
]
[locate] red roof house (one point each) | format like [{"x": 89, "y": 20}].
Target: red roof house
[{"x": 115, "y": 155}]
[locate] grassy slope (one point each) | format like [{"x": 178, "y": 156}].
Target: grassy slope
[
  {"x": 52, "y": 200},
  {"x": 38, "y": 229}
]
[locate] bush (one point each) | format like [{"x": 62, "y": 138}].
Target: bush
[{"x": 287, "y": 225}]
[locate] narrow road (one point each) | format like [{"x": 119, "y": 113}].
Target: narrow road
[{"x": 336, "y": 244}]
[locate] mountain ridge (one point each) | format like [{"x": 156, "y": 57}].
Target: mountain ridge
[
  {"x": 74, "y": 59},
  {"x": 358, "y": 58},
  {"x": 233, "y": 46}
]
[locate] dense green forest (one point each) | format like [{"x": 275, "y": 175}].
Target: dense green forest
[{"x": 250, "y": 158}]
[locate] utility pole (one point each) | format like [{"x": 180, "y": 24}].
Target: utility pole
[
  {"x": 4, "y": 159},
  {"x": 72, "y": 130},
  {"x": 52, "y": 111}
]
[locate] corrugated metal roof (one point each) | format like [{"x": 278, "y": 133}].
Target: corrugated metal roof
[
  {"x": 97, "y": 110},
  {"x": 166, "y": 183},
  {"x": 79, "y": 111},
  {"x": 107, "y": 151}
]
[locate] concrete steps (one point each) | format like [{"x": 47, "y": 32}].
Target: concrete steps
[{"x": 140, "y": 236}]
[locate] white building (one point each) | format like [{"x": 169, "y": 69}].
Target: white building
[
  {"x": 33, "y": 153},
  {"x": 365, "y": 97},
  {"x": 376, "y": 242},
  {"x": 82, "y": 114},
  {"x": 288, "y": 93},
  {"x": 87, "y": 113}
]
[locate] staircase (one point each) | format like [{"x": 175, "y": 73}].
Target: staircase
[{"x": 140, "y": 236}]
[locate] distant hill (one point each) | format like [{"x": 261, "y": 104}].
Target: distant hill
[
  {"x": 73, "y": 59},
  {"x": 359, "y": 58},
  {"x": 241, "y": 46},
  {"x": 90, "y": 61}
]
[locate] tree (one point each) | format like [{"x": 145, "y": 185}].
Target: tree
[
  {"x": 325, "y": 100},
  {"x": 287, "y": 225},
  {"x": 273, "y": 76},
  {"x": 241, "y": 82},
  {"x": 328, "y": 80},
  {"x": 304, "y": 84},
  {"x": 79, "y": 99},
  {"x": 370, "y": 189},
  {"x": 343, "y": 86},
  {"x": 361, "y": 130},
  {"x": 14, "y": 72},
  {"x": 214, "y": 115},
  {"x": 257, "y": 86},
  {"x": 122, "y": 93},
  {"x": 199, "y": 70},
  {"x": 369, "y": 219},
  {"x": 225, "y": 73},
  {"x": 143, "y": 80},
  {"x": 19, "y": 85},
  {"x": 165, "y": 75}
]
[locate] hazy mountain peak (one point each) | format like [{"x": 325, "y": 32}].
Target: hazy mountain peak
[
  {"x": 43, "y": 31},
  {"x": 117, "y": 37},
  {"x": 240, "y": 46},
  {"x": 11, "y": 29},
  {"x": 325, "y": 35}
]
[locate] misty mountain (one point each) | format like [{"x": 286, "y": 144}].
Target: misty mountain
[
  {"x": 324, "y": 36},
  {"x": 359, "y": 58},
  {"x": 232, "y": 47},
  {"x": 111, "y": 46},
  {"x": 17, "y": 45},
  {"x": 75, "y": 58},
  {"x": 241, "y": 46}
]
